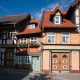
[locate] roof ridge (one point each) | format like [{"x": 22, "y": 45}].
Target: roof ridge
[{"x": 15, "y": 15}]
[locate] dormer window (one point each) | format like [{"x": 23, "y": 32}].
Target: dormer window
[
  {"x": 31, "y": 26},
  {"x": 57, "y": 20}
]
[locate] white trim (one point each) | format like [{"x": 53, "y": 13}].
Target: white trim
[
  {"x": 31, "y": 26},
  {"x": 57, "y": 20},
  {"x": 34, "y": 40},
  {"x": 27, "y": 57},
  {"x": 23, "y": 40},
  {"x": 19, "y": 58},
  {"x": 51, "y": 38},
  {"x": 65, "y": 35}
]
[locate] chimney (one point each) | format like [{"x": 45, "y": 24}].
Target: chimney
[{"x": 32, "y": 18}]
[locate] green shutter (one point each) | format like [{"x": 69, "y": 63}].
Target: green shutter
[
  {"x": 45, "y": 50},
  {"x": 75, "y": 50},
  {"x": 60, "y": 50}
]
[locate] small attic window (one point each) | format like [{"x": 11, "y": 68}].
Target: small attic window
[
  {"x": 31, "y": 26},
  {"x": 57, "y": 20}
]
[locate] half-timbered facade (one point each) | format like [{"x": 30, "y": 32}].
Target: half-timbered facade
[{"x": 9, "y": 28}]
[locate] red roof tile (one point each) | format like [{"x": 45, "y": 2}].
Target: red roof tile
[
  {"x": 65, "y": 11},
  {"x": 48, "y": 23},
  {"x": 31, "y": 31}
]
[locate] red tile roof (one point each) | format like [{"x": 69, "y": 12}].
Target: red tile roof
[
  {"x": 47, "y": 23},
  {"x": 31, "y": 31},
  {"x": 65, "y": 11},
  {"x": 75, "y": 3}
]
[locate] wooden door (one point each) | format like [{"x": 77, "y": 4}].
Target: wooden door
[
  {"x": 60, "y": 61},
  {"x": 9, "y": 57},
  {"x": 64, "y": 61}
]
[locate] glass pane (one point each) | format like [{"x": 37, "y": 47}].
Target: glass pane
[
  {"x": 31, "y": 38},
  {"x": 49, "y": 38},
  {"x": 64, "y": 56},
  {"x": 51, "y": 33},
  {"x": 67, "y": 39},
  {"x": 57, "y": 21},
  {"x": 55, "y": 56},
  {"x": 63, "y": 39},
  {"x": 65, "y": 33},
  {"x": 57, "y": 18},
  {"x": 53, "y": 39}
]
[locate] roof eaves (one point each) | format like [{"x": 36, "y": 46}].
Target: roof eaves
[{"x": 28, "y": 33}]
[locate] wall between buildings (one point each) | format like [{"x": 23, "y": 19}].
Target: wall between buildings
[
  {"x": 46, "y": 61},
  {"x": 75, "y": 60}
]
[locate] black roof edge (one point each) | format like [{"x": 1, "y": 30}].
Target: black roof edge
[
  {"x": 42, "y": 19},
  {"x": 28, "y": 34},
  {"x": 62, "y": 27}
]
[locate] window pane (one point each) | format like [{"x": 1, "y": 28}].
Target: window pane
[
  {"x": 49, "y": 39},
  {"x": 27, "y": 60},
  {"x": 67, "y": 39},
  {"x": 57, "y": 21},
  {"x": 57, "y": 18},
  {"x": 65, "y": 33},
  {"x": 31, "y": 38},
  {"x": 63, "y": 39},
  {"x": 53, "y": 39},
  {"x": 51, "y": 33}
]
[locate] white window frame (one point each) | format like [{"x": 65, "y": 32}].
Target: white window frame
[
  {"x": 66, "y": 36},
  {"x": 34, "y": 40},
  {"x": 31, "y": 26},
  {"x": 27, "y": 57},
  {"x": 23, "y": 40},
  {"x": 19, "y": 59},
  {"x": 57, "y": 20},
  {"x": 51, "y": 38}
]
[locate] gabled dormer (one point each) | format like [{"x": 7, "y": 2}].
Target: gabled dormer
[{"x": 57, "y": 15}]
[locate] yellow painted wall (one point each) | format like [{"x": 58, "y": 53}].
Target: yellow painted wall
[
  {"x": 75, "y": 60},
  {"x": 44, "y": 38},
  {"x": 58, "y": 14},
  {"x": 74, "y": 38},
  {"x": 46, "y": 61}
]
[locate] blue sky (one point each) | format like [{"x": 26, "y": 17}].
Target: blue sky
[{"x": 34, "y": 7}]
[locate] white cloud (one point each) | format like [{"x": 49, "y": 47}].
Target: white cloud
[
  {"x": 67, "y": 3},
  {"x": 50, "y": 7},
  {"x": 5, "y": 9}
]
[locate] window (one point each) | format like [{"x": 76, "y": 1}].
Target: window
[
  {"x": 27, "y": 60},
  {"x": 55, "y": 56},
  {"x": 65, "y": 38},
  {"x": 23, "y": 40},
  {"x": 57, "y": 20},
  {"x": 31, "y": 26},
  {"x": 34, "y": 39},
  {"x": 64, "y": 56},
  {"x": 51, "y": 37},
  {"x": 9, "y": 33},
  {"x": 20, "y": 60}
]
